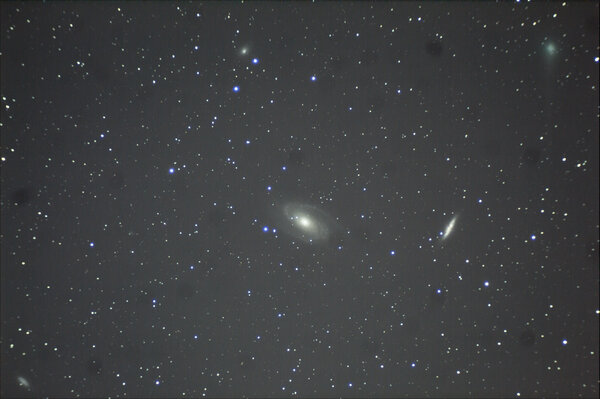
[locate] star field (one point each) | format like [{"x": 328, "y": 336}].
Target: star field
[{"x": 290, "y": 199}]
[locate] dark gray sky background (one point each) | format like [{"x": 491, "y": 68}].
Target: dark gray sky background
[{"x": 299, "y": 200}]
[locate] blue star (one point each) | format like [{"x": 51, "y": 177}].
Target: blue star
[{"x": 236, "y": 88}]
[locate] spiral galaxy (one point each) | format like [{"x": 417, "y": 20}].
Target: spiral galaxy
[{"x": 307, "y": 222}]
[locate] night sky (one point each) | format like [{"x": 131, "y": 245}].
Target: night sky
[{"x": 293, "y": 199}]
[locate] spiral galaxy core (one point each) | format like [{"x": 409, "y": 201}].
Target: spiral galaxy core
[{"x": 307, "y": 222}]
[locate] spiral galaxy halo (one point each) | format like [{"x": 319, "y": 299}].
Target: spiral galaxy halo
[{"x": 307, "y": 222}]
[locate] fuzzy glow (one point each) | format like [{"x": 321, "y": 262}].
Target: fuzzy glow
[
  {"x": 307, "y": 222},
  {"x": 449, "y": 228}
]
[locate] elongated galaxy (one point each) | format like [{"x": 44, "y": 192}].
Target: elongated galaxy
[
  {"x": 307, "y": 222},
  {"x": 449, "y": 228},
  {"x": 394, "y": 199}
]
